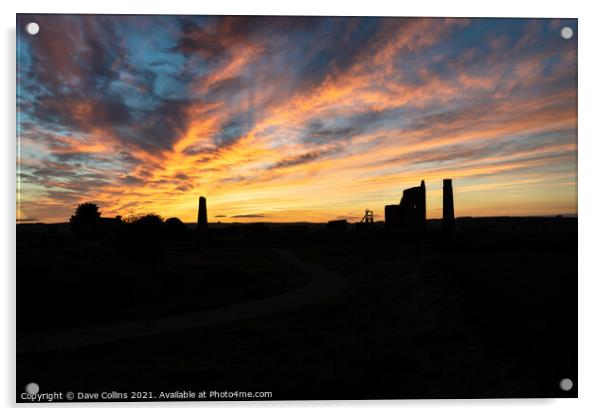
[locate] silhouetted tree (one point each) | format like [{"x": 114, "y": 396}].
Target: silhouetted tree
[
  {"x": 175, "y": 229},
  {"x": 85, "y": 218}
]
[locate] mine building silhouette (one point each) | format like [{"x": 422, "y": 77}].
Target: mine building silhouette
[
  {"x": 336, "y": 226},
  {"x": 410, "y": 213}
]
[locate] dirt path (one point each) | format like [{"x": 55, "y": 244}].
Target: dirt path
[{"x": 323, "y": 284}]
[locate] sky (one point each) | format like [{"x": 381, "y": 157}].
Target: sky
[{"x": 285, "y": 119}]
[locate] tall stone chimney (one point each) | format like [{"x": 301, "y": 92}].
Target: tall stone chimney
[
  {"x": 201, "y": 222},
  {"x": 448, "y": 205},
  {"x": 423, "y": 205}
]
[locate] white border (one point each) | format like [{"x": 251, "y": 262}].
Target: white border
[{"x": 590, "y": 189}]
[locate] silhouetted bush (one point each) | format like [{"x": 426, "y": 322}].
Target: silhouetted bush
[
  {"x": 175, "y": 229},
  {"x": 147, "y": 225},
  {"x": 144, "y": 235},
  {"x": 149, "y": 219},
  {"x": 85, "y": 219}
]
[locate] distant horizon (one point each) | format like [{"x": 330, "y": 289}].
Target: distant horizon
[
  {"x": 258, "y": 221},
  {"x": 296, "y": 119}
]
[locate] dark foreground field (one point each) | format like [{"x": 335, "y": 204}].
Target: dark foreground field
[{"x": 488, "y": 312}]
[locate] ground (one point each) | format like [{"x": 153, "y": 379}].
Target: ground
[{"x": 490, "y": 311}]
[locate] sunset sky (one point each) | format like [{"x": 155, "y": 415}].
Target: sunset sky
[{"x": 294, "y": 119}]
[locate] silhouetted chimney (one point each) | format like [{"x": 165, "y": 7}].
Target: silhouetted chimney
[
  {"x": 448, "y": 205},
  {"x": 201, "y": 222},
  {"x": 423, "y": 207}
]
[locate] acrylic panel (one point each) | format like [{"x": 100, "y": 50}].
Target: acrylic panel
[{"x": 295, "y": 208}]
